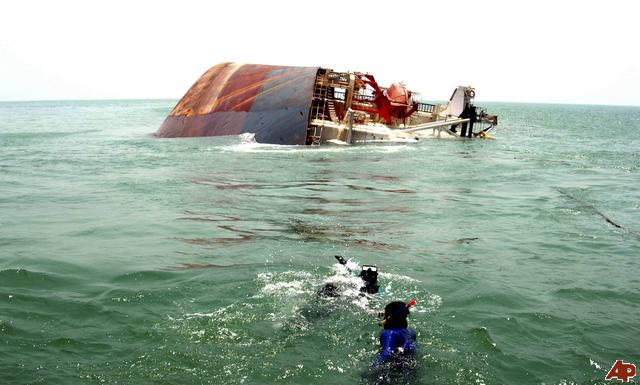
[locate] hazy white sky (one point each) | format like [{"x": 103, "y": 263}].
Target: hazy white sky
[{"x": 520, "y": 51}]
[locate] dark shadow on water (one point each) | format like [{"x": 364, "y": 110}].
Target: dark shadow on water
[
  {"x": 319, "y": 211},
  {"x": 311, "y": 232},
  {"x": 233, "y": 229},
  {"x": 225, "y": 185},
  {"x": 195, "y": 265},
  {"x": 386, "y": 178},
  {"x": 461, "y": 241},
  {"x": 367, "y": 188},
  {"x": 376, "y": 244},
  {"x": 215, "y": 241},
  {"x": 595, "y": 210},
  {"x": 316, "y": 199},
  {"x": 318, "y": 309}
]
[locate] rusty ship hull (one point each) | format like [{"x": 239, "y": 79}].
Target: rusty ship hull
[{"x": 312, "y": 105}]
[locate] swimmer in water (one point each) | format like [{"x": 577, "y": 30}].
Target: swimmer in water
[
  {"x": 395, "y": 363},
  {"x": 397, "y": 340},
  {"x": 368, "y": 274}
]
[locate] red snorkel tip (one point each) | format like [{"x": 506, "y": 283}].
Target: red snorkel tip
[{"x": 411, "y": 303}]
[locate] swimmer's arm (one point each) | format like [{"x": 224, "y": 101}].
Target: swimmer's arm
[
  {"x": 386, "y": 340},
  {"x": 413, "y": 345}
]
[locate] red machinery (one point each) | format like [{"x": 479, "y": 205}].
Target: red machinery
[{"x": 392, "y": 102}]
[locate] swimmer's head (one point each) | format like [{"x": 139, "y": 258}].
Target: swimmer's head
[
  {"x": 395, "y": 315},
  {"x": 369, "y": 274}
]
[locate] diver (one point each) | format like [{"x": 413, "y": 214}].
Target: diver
[
  {"x": 324, "y": 302},
  {"x": 330, "y": 290},
  {"x": 397, "y": 340},
  {"x": 395, "y": 363},
  {"x": 368, "y": 274}
]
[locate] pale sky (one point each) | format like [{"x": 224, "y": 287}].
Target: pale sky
[{"x": 514, "y": 51}]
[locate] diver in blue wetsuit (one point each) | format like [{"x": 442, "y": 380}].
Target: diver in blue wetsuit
[
  {"x": 395, "y": 363},
  {"x": 397, "y": 340}
]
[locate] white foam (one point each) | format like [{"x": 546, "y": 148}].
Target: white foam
[
  {"x": 284, "y": 288},
  {"x": 248, "y": 144},
  {"x": 214, "y": 314},
  {"x": 266, "y": 277},
  {"x": 248, "y": 137},
  {"x": 200, "y": 315}
]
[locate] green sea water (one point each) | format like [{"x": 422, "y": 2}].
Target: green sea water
[{"x": 127, "y": 259}]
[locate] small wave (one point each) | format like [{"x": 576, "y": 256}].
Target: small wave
[
  {"x": 76, "y": 343},
  {"x": 42, "y": 135},
  {"x": 589, "y": 295},
  {"x": 143, "y": 276},
  {"x": 31, "y": 279},
  {"x": 484, "y": 337}
]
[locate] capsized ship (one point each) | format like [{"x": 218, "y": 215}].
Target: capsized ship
[{"x": 313, "y": 105}]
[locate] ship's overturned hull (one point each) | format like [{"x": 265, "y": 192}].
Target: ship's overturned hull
[
  {"x": 271, "y": 102},
  {"x": 313, "y": 105}
]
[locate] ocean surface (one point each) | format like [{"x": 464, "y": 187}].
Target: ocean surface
[{"x": 127, "y": 259}]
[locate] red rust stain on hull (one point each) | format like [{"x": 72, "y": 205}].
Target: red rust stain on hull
[{"x": 229, "y": 99}]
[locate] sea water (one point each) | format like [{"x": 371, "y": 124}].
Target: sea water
[{"x": 127, "y": 259}]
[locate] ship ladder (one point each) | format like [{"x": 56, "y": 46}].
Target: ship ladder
[
  {"x": 332, "y": 111},
  {"x": 320, "y": 96}
]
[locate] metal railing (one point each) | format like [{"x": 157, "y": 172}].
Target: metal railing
[
  {"x": 369, "y": 98},
  {"x": 340, "y": 95},
  {"x": 426, "y": 107}
]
